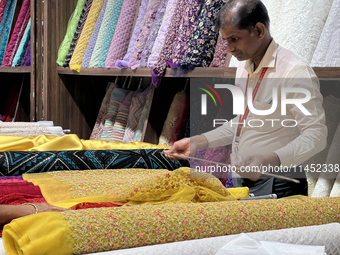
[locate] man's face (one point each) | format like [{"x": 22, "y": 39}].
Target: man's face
[{"x": 241, "y": 43}]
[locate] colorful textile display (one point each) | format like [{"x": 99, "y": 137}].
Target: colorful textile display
[
  {"x": 202, "y": 45},
  {"x": 18, "y": 32},
  {"x": 144, "y": 32},
  {"x": 153, "y": 33},
  {"x": 79, "y": 51},
  {"x": 71, "y": 29},
  {"x": 187, "y": 25},
  {"x": 2, "y": 8},
  {"x": 27, "y": 58},
  {"x": 104, "y": 108},
  {"x": 121, "y": 37},
  {"x": 220, "y": 53},
  {"x": 117, "y": 7},
  {"x": 5, "y": 26},
  {"x": 101, "y": 36},
  {"x": 94, "y": 36},
  {"x": 21, "y": 162},
  {"x": 124, "y": 63},
  {"x": 85, "y": 12},
  {"x": 170, "y": 121},
  {"x": 163, "y": 30},
  {"x": 19, "y": 56},
  {"x": 118, "y": 130},
  {"x": 159, "y": 67},
  {"x": 110, "y": 228}
]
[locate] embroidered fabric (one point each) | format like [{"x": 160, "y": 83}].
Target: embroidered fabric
[
  {"x": 79, "y": 51},
  {"x": 158, "y": 45},
  {"x": 202, "y": 45},
  {"x": 28, "y": 48},
  {"x": 188, "y": 22},
  {"x": 5, "y": 27},
  {"x": 17, "y": 34},
  {"x": 94, "y": 36},
  {"x": 153, "y": 34},
  {"x": 101, "y": 36},
  {"x": 71, "y": 29},
  {"x": 120, "y": 40},
  {"x": 19, "y": 56},
  {"x": 327, "y": 53},
  {"x": 117, "y": 7},
  {"x": 147, "y": 22},
  {"x": 124, "y": 63},
  {"x": 159, "y": 67},
  {"x": 77, "y": 33},
  {"x": 220, "y": 53}
]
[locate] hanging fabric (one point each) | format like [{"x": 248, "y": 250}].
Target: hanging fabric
[
  {"x": 5, "y": 27},
  {"x": 19, "y": 56},
  {"x": 28, "y": 48},
  {"x": 220, "y": 55},
  {"x": 2, "y": 8}
]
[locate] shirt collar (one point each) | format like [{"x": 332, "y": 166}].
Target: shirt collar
[{"x": 268, "y": 60}]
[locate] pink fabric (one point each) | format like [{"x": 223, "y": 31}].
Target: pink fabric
[
  {"x": 220, "y": 55},
  {"x": 120, "y": 41},
  {"x": 18, "y": 32},
  {"x": 2, "y": 8}
]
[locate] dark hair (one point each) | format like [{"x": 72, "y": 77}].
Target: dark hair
[{"x": 244, "y": 14}]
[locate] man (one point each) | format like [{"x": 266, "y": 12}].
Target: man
[{"x": 285, "y": 140}]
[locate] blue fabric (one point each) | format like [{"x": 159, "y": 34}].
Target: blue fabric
[
  {"x": 19, "y": 56},
  {"x": 4, "y": 28}
]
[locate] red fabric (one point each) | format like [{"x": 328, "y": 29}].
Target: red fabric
[
  {"x": 19, "y": 30},
  {"x": 181, "y": 121},
  {"x": 92, "y": 205},
  {"x": 27, "y": 188},
  {"x": 2, "y": 8}
]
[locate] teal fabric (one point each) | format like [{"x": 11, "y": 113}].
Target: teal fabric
[
  {"x": 5, "y": 26},
  {"x": 23, "y": 46}
]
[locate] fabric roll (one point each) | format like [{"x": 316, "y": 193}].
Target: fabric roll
[
  {"x": 118, "y": 130},
  {"x": 19, "y": 56},
  {"x": 203, "y": 41},
  {"x": 11, "y": 178},
  {"x": 16, "y": 163},
  {"x": 188, "y": 22},
  {"x": 85, "y": 12},
  {"x": 158, "y": 45},
  {"x": 145, "y": 114},
  {"x": 101, "y": 35},
  {"x": 135, "y": 112},
  {"x": 104, "y": 108},
  {"x": 110, "y": 228},
  {"x": 124, "y": 63},
  {"x": 153, "y": 33},
  {"x": 274, "y": 9},
  {"x": 18, "y": 32},
  {"x": 94, "y": 36},
  {"x": 327, "y": 51},
  {"x": 5, "y": 27},
  {"x": 26, "y": 53},
  {"x": 159, "y": 67},
  {"x": 2, "y": 8},
  {"x": 71, "y": 29},
  {"x": 220, "y": 55},
  {"x": 182, "y": 120},
  {"x": 79, "y": 51},
  {"x": 171, "y": 118},
  {"x": 117, "y": 7},
  {"x": 28, "y": 59},
  {"x": 121, "y": 37},
  {"x": 147, "y": 23},
  {"x": 7, "y": 5},
  {"x": 117, "y": 97}
]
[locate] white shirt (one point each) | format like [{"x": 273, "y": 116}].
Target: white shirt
[{"x": 293, "y": 145}]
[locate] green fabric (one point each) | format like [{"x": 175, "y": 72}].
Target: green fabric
[{"x": 71, "y": 28}]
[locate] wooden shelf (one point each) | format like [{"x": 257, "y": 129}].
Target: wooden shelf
[
  {"x": 321, "y": 72},
  {"x": 19, "y": 69}
]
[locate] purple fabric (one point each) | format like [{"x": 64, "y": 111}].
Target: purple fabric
[
  {"x": 28, "y": 60},
  {"x": 28, "y": 50},
  {"x": 11, "y": 177},
  {"x": 2, "y": 8},
  {"x": 220, "y": 55}
]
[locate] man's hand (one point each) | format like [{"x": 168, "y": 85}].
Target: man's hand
[{"x": 255, "y": 162}]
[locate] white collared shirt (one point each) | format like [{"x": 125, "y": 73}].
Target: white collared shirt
[{"x": 293, "y": 145}]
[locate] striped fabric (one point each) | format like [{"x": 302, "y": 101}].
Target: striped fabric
[
  {"x": 101, "y": 35},
  {"x": 5, "y": 26},
  {"x": 118, "y": 130},
  {"x": 18, "y": 32},
  {"x": 94, "y": 36},
  {"x": 19, "y": 56},
  {"x": 85, "y": 36},
  {"x": 79, "y": 30}
]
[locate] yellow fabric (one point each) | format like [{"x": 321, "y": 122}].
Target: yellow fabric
[
  {"x": 79, "y": 51},
  {"x": 102, "y": 229},
  {"x": 131, "y": 187},
  {"x": 67, "y": 142}
]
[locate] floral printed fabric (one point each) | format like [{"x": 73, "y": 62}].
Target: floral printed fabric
[
  {"x": 153, "y": 34},
  {"x": 124, "y": 63},
  {"x": 220, "y": 55},
  {"x": 147, "y": 22},
  {"x": 188, "y": 22},
  {"x": 120, "y": 40},
  {"x": 202, "y": 45}
]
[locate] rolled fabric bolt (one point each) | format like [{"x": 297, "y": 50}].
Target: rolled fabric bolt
[{"x": 270, "y": 196}]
